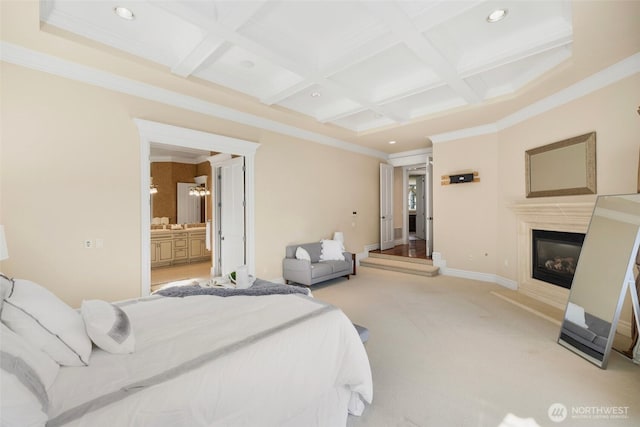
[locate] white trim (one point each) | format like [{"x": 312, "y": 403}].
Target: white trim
[
  {"x": 25, "y": 57},
  {"x": 410, "y": 158},
  {"x": 29, "y": 58},
  {"x": 603, "y": 78},
  {"x": 482, "y": 277},
  {"x": 178, "y": 159},
  {"x": 173, "y": 135},
  {"x": 473, "y": 275},
  {"x": 464, "y": 133}
]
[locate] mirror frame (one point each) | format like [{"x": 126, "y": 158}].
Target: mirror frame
[
  {"x": 588, "y": 140},
  {"x": 628, "y": 284}
]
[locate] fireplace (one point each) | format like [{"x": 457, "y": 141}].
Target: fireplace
[{"x": 554, "y": 256}]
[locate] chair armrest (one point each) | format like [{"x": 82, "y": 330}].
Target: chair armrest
[
  {"x": 347, "y": 256},
  {"x": 297, "y": 270}
]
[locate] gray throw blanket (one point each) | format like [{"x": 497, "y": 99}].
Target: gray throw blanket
[{"x": 259, "y": 287}]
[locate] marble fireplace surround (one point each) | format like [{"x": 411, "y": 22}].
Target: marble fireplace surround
[{"x": 570, "y": 217}]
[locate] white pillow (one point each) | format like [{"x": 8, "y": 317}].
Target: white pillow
[
  {"x": 26, "y": 374},
  {"x": 332, "y": 250},
  {"x": 45, "y": 321},
  {"x": 575, "y": 314},
  {"x": 108, "y": 326},
  {"x": 301, "y": 253}
]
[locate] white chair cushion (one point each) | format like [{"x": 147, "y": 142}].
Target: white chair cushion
[
  {"x": 332, "y": 250},
  {"x": 301, "y": 253}
]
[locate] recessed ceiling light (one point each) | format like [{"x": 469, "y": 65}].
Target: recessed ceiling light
[
  {"x": 315, "y": 94},
  {"x": 497, "y": 15},
  {"x": 392, "y": 142},
  {"x": 124, "y": 13}
]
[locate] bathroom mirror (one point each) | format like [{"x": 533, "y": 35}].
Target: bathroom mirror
[{"x": 602, "y": 279}]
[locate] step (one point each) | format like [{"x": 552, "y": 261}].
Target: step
[
  {"x": 401, "y": 258},
  {"x": 420, "y": 269}
]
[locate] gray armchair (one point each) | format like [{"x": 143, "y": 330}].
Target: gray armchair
[{"x": 309, "y": 273}]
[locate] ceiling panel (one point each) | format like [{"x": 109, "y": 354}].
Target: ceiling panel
[
  {"x": 247, "y": 72},
  {"x": 385, "y": 75}
]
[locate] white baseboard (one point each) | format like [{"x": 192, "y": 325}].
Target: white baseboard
[{"x": 473, "y": 275}]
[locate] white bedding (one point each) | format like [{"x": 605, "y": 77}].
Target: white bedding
[{"x": 210, "y": 361}]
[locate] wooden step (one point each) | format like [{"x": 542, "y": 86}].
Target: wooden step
[
  {"x": 401, "y": 258},
  {"x": 402, "y": 266}
]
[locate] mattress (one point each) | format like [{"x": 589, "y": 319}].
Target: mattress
[{"x": 240, "y": 361}]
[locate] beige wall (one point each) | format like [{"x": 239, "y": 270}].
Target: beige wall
[
  {"x": 473, "y": 219},
  {"x": 71, "y": 152},
  {"x": 465, "y": 214},
  {"x": 306, "y": 192}
]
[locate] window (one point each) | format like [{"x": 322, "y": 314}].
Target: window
[{"x": 412, "y": 197}]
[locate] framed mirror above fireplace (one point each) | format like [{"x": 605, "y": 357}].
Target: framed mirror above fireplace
[
  {"x": 563, "y": 168},
  {"x": 603, "y": 276}
]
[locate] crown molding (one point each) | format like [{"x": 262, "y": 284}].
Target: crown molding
[
  {"x": 39, "y": 61},
  {"x": 608, "y": 76}
]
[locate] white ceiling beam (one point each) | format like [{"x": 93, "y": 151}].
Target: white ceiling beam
[
  {"x": 402, "y": 25},
  {"x": 197, "y": 56},
  {"x": 208, "y": 46}
]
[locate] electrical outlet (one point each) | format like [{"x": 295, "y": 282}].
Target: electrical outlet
[{"x": 88, "y": 244}]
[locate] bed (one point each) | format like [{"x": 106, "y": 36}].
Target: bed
[{"x": 276, "y": 360}]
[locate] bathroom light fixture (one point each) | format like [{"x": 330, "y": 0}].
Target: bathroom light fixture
[
  {"x": 124, "y": 13},
  {"x": 153, "y": 189},
  {"x": 497, "y": 15},
  {"x": 199, "y": 190},
  {"x": 392, "y": 142}
]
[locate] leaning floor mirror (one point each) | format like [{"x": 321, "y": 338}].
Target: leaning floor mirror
[{"x": 603, "y": 278}]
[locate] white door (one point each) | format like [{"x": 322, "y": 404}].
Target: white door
[
  {"x": 188, "y": 206},
  {"x": 231, "y": 215},
  {"x": 421, "y": 222},
  {"x": 429, "y": 206},
  {"x": 387, "y": 238}
]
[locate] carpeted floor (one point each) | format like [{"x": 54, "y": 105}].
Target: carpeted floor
[{"x": 445, "y": 352}]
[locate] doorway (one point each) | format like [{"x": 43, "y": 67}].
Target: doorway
[
  {"x": 160, "y": 133},
  {"x": 413, "y": 206},
  {"x": 180, "y": 215}
]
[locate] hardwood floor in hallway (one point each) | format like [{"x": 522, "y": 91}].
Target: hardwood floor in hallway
[{"x": 416, "y": 248}]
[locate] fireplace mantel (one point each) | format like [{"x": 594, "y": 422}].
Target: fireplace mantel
[
  {"x": 571, "y": 217},
  {"x": 563, "y": 210}
]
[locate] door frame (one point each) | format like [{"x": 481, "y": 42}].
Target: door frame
[
  {"x": 386, "y": 206},
  {"x": 408, "y": 160},
  {"x": 162, "y": 133},
  {"x": 223, "y": 210}
]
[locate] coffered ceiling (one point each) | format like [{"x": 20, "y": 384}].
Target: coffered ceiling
[
  {"x": 359, "y": 65},
  {"x": 364, "y": 72}
]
